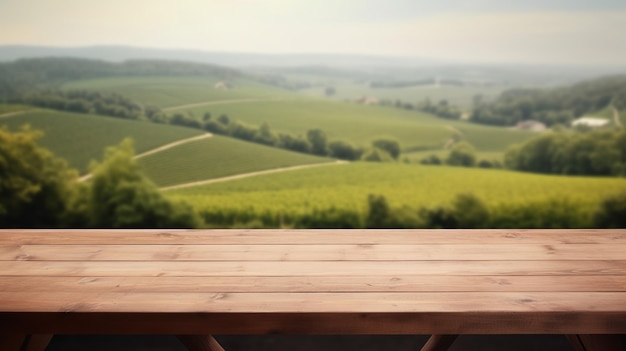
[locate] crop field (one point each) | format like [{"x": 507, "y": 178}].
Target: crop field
[
  {"x": 347, "y": 187},
  {"x": 361, "y": 124},
  {"x": 461, "y": 96},
  {"x": 176, "y": 91},
  {"x": 217, "y": 157},
  {"x": 81, "y": 138}
]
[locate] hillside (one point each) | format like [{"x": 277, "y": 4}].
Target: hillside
[
  {"x": 80, "y": 138},
  {"x": 23, "y": 75},
  {"x": 170, "y": 92},
  {"x": 553, "y": 106},
  {"x": 346, "y": 188},
  {"x": 361, "y": 124},
  {"x": 217, "y": 157}
]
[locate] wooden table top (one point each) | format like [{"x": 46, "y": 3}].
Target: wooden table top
[{"x": 313, "y": 281}]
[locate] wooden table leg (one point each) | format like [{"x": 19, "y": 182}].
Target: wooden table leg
[
  {"x": 200, "y": 343},
  {"x": 37, "y": 342},
  {"x": 596, "y": 342},
  {"x": 439, "y": 342},
  {"x": 11, "y": 341}
]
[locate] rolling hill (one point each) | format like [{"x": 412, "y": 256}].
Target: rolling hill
[
  {"x": 217, "y": 157},
  {"x": 80, "y": 138}
]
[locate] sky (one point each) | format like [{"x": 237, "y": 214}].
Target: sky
[{"x": 489, "y": 31}]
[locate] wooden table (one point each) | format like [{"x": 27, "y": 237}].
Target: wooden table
[{"x": 193, "y": 283}]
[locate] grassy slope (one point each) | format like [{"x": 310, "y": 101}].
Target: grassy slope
[
  {"x": 174, "y": 91},
  {"x": 460, "y": 96},
  {"x": 80, "y": 138},
  {"x": 217, "y": 157},
  {"x": 347, "y": 187},
  {"x": 361, "y": 124}
]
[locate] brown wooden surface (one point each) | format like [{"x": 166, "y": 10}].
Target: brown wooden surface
[
  {"x": 36, "y": 342},
  {"x": 313, "y": 281}
]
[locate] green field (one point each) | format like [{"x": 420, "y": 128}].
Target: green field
[
  {"x": 176, "y": 91},
  {"x": 217, "y": 157},
  {"x": 361, "y": 124},
  {"x": 81, "y": 138},
  {"x": 347, "y": 187},
  {"x": 461, "y": 96}
]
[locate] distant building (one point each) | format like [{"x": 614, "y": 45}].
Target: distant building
[
  {"x": 223, "y": 86},
  {"x": 367, "y": 101},
  {"x": 530, "y": 125},
  {"x": 593, "y": 122}
]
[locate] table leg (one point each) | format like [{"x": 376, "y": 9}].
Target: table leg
[
  {"x": 37, "y": 342},
  {"x": 11, "y": 341},
  {"x": 200, "y": 343},
  {"x": 596, "y": 342},
  {"x": 439, "y": 342}
]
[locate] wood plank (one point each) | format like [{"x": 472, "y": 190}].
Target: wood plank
[
  {"x": 200, "y": 343},
  {"x": 375, "y": 252},
  {"x": 342, "y": 268},
  {"x": 310, "y": 236},
  {"x": 473, "y": 322},
  {"x": 405, "y": 283},
  {"x": 439, "y": 342},
  {"x": 216, "y": 302}
]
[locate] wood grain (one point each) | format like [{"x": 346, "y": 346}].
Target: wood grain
[
  {"x": 310, "y": 236},
  {"x": 362, "y": 252},
  {"x": 404, "y": 283}
]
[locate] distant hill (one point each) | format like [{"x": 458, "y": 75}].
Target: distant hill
[
  {"x": 123, "y": 53},
  {"x": 553, "y": 106}
]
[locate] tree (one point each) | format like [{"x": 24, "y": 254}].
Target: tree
[
  {"x": 343, "y": 150},
  {"x": 389, "y": 145},
  {"x": 376, "y": 155},
  {"x": 122, "y": 197},
  {"x": 462, "y": 154},
  {"x": 317, "y": 138},
  {"x": 36, "y": 187},
  {"x": 612, "y": 212}
]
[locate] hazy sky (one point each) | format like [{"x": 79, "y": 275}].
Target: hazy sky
[{"x": 546, "y": 31}]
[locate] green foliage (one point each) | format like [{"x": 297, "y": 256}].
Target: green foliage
[
  {"x": 391, "y": 146},
  {"x": 431, "y": 160},
  {"x": 81, "y": 138},
  {"x": 376, "y": 155},
  {"x": 378, "y": 212},
  {"x": 462, "y": 154},
  {"x": 599, "y": 152},
  {"x": 122, "y": 197},
  {"x": 35, "y": 186},
  {"x": 612, "y": 212},
  {"x": 217, "y": 157},
  {"x": 185, "y": 120},
  {"x": 317, "y": 139},
  {"x": 466, "y": 211},
  {"x": 344, "y": 150},
  {"x": 554, "y": 106}
]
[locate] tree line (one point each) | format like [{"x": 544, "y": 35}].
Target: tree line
[
  {"x": 442, "y": 109},
  {"x": 571, "y": 152},
  {"x": 26, "y": 75},
  {"x": 551, "y": 106}
]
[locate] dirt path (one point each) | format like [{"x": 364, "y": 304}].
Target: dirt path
[
  {"x": 176, "y": 143},
  {"x": 9, "y": 114},
  {"x": 252, "y": 174},
  {"x": 218, "y": 102},
  {"x": 160, "y": 148},
  {"x": 616, "y": 119}
]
